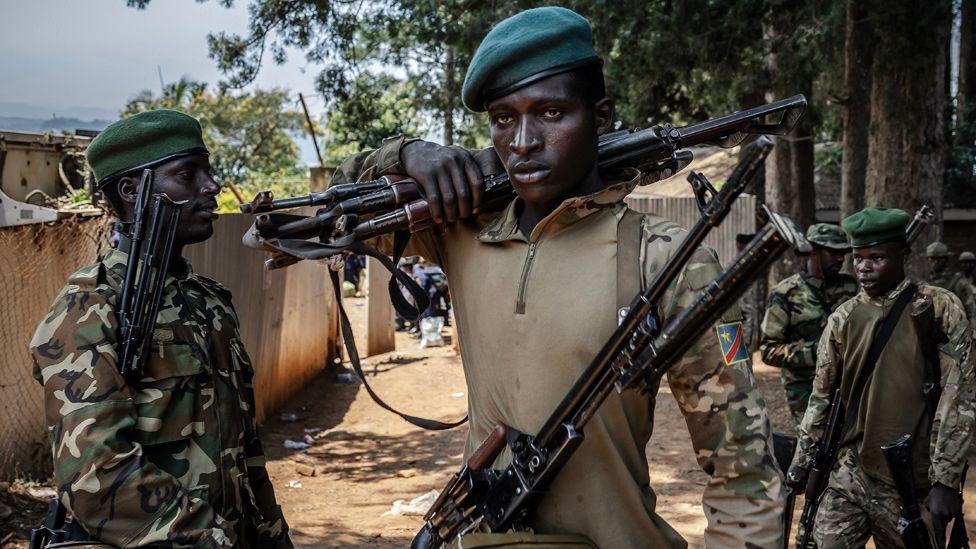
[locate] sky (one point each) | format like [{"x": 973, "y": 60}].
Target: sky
[{"x": 87, "y": 58}]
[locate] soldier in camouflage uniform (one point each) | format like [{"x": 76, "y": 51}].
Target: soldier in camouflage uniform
[
  {"x": 536, "y": 285},
  {"x": 174, "y": 458},
  {"x": 957, "y": 283},
  {"x": 860, "y": 500},
  {"x": 797, "y": 313}
]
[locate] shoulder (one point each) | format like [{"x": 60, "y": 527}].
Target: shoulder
[
  {"x": 661, "y": 239},
  {"x": 787, "y": 285},
  {"x": 88, "y": 297},
  {"x": 841, "y": 315},
  {"x": 946, "y": 303}
]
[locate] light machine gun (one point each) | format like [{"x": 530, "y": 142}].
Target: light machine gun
[
  {"x": 355, "y": 212},
  {"x": 636, "y": 356}
]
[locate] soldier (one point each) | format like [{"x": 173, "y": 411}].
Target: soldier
[
  {"x": 860, "y": 500},
  {"x": 938, "y": 257},
  {"x": 536, "y": 294},
  {"x": 173, "y": 459},
  {"x": 797, "y": 313}
]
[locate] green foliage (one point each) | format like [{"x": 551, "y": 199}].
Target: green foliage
[
  {"x": 248, "y": 133},
  {"x": 379, "y": 106}
]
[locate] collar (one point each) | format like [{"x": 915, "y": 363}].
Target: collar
[
  {"x": 505, "y": 227},
  {"x": 811, "y": 280},
  {"x": 115, "y": 260}
]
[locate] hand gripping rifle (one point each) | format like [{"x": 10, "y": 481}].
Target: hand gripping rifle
[
  {"x": 637, "y": 355},
  {"x": 154, "y": 226},
  {"x": 355, "y": 212},
  {"x": 827, "y": 447}
]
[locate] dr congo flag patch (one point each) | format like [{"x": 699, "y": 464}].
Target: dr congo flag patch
[{"x": 730, "y": 338}]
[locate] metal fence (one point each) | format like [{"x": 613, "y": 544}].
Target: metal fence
[
  {"x": 287, "y": 319},
  {"x": 684, "y": 212}
]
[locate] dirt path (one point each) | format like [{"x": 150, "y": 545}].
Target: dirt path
[{"x": 365, "y": 458}]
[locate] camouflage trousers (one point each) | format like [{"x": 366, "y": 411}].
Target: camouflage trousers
[
  {"x": 798, "y": 388},
  {"x": 856, "y": 507}
]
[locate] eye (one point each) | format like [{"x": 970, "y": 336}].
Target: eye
[
  {"x": 552, "y": 113},
  {"x": 502, "y": 119}
]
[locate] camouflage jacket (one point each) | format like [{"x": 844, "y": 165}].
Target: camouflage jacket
[
  {"x": 959, "y": 284},
  {"x": 952, "y": 425},
  {"x": 533, "y": 310},
  {"x": 796, "y": 315},
  {"x": 175, "y": 457}
]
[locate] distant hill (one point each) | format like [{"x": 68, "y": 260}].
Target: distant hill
[{"x": 55, "y": 124}]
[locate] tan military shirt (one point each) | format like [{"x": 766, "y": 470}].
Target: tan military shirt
[{"x": 532, "y": 311}]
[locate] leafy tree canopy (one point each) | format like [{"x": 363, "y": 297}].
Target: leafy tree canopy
[{"x": 248, "y": 133}]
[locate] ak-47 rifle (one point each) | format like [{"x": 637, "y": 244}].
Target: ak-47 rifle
[
  {"x": 151, "y": 239},
  {"x": 826, "y": 449},
  {"x": 638, "y": 353},
  {"x": 395, "y": 202},
  {"x": 911, "y": 527}
]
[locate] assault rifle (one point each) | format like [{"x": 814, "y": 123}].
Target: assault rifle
[
  {"x": 153, "y": 231},
  {"x": 911, "y": 528},
  {"x": 638, "y": 353},
  {"x": 827, "y": 447},
  {"x": 395, "y": 202}
]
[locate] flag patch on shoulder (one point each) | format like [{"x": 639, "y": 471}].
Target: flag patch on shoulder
[{"x": 734, "y": 350}]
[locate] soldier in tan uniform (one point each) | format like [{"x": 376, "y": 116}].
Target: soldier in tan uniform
[
  {"x": 957, "y": 282},
  {"x": 860, "y": 500},
  {"x": 535, "y": 294}
]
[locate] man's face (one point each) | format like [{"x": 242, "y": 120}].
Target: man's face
[
  {"x": 937, "y": 264},
  {"x": 187, "y": 178},
  {"x": 968, "y": 267},
  {"x": 831, "y": 261},
  {"x": 880, "y": 268},
  {"x": 546, "y": 136}
]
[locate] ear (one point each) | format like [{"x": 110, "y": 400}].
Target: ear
[
  {"x": 128, "y": 189},
  {"x": 603, "y": 111}
]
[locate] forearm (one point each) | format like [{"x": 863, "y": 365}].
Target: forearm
[
  {"x": 788, "y": 354},
  {"x": 954, "y": 416},
  {"x": 815, "y": 417}
]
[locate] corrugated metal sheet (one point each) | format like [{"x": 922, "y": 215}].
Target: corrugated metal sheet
[
  {"x": 683, "y": 211},
  {"x": 287, "y": 316}
]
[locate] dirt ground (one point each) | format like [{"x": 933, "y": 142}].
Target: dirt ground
[{"x": 337, "y": 492}]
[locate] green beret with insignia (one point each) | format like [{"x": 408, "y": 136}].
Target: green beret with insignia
[
  {"x": 525, "y": 48},
  {"x": 828, "y": 235},
  {"x": 937, "y": 249},
  {"x": 142, "y": 141},
  {"x": 872, "y": 226}
]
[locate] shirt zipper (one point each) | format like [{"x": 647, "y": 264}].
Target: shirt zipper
[{"x": 523, "y": 281}]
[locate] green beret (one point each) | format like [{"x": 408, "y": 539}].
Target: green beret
[
  {"x": 143, "y": 140},
  {"x": 526, "y": 48},
  {"x": 937, "y": 249},
  {"x": 872, "y": 226},
  {"x": 828, "y": 235},
  {"x": 967, "y": 256}
]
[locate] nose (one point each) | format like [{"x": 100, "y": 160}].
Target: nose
[
  {"x": 526, "y": 138},
  {"x": 210, "y": 186}
]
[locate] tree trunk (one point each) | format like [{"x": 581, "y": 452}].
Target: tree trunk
[
  {"x": 967, "y": 63},
  {"x": 450, "y": 96},
  {"x": 789, "y": 169},
  {"x": 858, "y": 52},
  {"x": 906, "y": 163}
]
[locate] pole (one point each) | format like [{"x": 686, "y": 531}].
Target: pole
[{"x": 311, "y": 129}]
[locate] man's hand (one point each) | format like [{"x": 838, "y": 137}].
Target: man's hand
[
  {"x": 449, "y": 176},
  {"x": 796, "y": 478},
  {"x": 944, "y": 504}
]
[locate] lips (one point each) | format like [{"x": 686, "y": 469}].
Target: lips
[
  {"x": 528, "y": 172},
  {"x": 208, "y": 211}
]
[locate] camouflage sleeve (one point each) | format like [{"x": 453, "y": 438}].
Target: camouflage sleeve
[
  {"x": 815, "y": 418},
  {"x": 965, "y": 293},
  {"x": 99, "y": 470},
  {"x": 726, "y": 417},
  {"x": 776, "y": 348},
  {"x": 271, "y": 530},
  {"x": 954, "y": 416}
]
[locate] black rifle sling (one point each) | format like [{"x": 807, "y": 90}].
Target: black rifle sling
[
  {"x": 881, "y": 338},
  {"x": 402, "y": 306}
]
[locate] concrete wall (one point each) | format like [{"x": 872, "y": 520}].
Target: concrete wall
[{"x": 287, "y": 319}]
